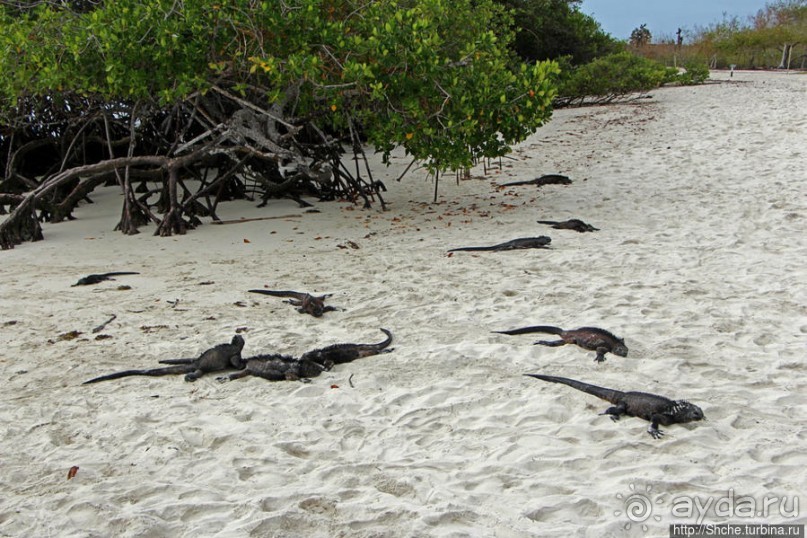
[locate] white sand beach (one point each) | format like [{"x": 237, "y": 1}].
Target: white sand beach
[{"x": 700, "y": 264}]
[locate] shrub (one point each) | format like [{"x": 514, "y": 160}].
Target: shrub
[
  {"x": 610, "y": 78},
  {"x": 695, "y": 73}
]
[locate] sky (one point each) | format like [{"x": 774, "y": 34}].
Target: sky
[{"x": 664, "y": 17}]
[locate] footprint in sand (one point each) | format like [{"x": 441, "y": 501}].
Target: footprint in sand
[
  {"x": 387, "y": 484},
  {"x": 246, "y": 468},
  {"x": 763, "y": 340},
  {"x": 792, "y": 457},
  {"x": 294, "y": 449},
  {"x": 318, "y": 505}
]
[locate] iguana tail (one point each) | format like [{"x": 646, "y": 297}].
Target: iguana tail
[
  {"x": 534, "y": 329},
  {"x": 469, "y": 249},
  {"x": 609, "y": 395},
  {"x": 385, "y": 343},
  {"x": 278, "y": 293},
  {"x": 178, "y": 361},
  {"x": 179, "y": 369}
]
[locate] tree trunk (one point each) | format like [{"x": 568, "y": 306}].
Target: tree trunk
[
  {"x": 784, "y": 63},
  {"x": 172, "y": 220},
  {"x": 132, "y": 216},
  {"x": 21, "y": 226}
]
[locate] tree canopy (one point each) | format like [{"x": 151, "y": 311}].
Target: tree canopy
[
  {"x": 775, "y": 37},
  {"x": 640, "y": 36},
  {"x": 553, "y": 29},
  {"x": 142, "y": 91}
]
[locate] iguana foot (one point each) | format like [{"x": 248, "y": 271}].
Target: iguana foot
[{"x": 613, "y": 416}]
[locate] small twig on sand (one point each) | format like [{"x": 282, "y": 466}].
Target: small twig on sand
[
  {"x": 237, "y": 221},
  {"x": 104, "y": 324},
  {"x": 350, "y": 381}
]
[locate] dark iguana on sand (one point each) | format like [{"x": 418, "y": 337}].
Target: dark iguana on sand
[
  {"x": 591, "y": 338},
  {"x": 276, "y": 367},
  {"x": 522, "y": 243},
  {"x": 95, "y": 279},
  {"x": 548, "y": 179},
  {"x": 305, "y": 302},
  {"x": 215, "y": 359},
  {"x": 651, "y": 407},
  {"x": 342, "y": 353},
  {"x": 572, "y": 224}
]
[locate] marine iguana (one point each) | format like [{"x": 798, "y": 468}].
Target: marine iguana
[
  {"x": 306, "y": 303},
  {"x": 651, "y": 407},
  {"x": 215, "y": 359},
  {"x": 571, "y": 224},
  {"x": 522, "y": 243},
  {"x": 591, "y": 338},
  {"x": 95, "y": 279},
  {"x": 548, "y": 179},
  {"x": 342, "y": 353},
  {"x": 277, "y": 367}
]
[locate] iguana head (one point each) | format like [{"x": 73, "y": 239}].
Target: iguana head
[
  {"x": 620, "y": 348},
  {"x": 238, "y": 341},
  {"x": 684, "y": 411},
  {"x": 312, "y": 305}
]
